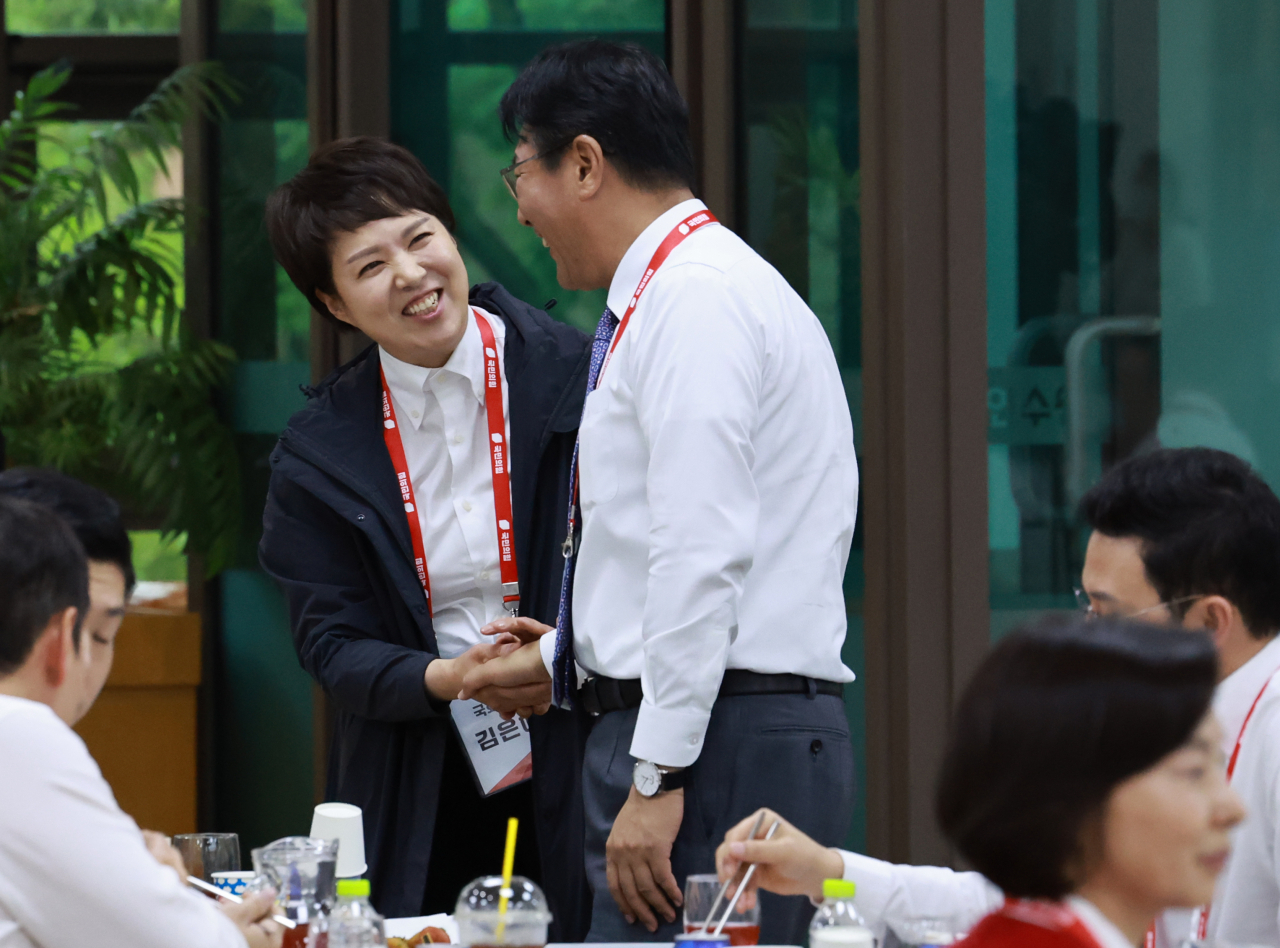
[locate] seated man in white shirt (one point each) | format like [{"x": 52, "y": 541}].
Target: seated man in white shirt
[
  {"x": 1189, "y": 538},
  {"x": 73, "y": 867}
]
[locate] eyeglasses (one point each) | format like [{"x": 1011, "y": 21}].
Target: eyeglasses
[
  {"x": 1086, "y": 605},
  {"x": 509, "y": 175}
]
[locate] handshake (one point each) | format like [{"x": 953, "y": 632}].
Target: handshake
[{"x": 507, "y": 673}]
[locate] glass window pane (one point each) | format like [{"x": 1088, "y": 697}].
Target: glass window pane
[
  {"x": 92, "y": 16},
  {"x": 456, "y": 91},
  {"x": 554, "y": 15},
  {"x": 1132, "y": 196},
  {"x": 798, "y": 207}
]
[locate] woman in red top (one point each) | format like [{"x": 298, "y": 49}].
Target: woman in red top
[{"x": 1084, "y": 777}]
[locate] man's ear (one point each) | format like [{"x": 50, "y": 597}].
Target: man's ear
[
  {"x": 587, "y": 159},
  {"x": 1215, "y": 614},
  {"x": 56, "y": 646},
  {"x": 333, "y": 302}
]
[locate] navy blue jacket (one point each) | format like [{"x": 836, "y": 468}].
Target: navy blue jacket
[{"x": 336, "y": 539}]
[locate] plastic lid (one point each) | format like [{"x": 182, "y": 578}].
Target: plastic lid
[
  {"x": 353, "y": 888},
  {"x": 833, "y": 889},
  {"x": 483, "y": 895}
]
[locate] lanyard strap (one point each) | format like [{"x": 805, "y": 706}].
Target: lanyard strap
[
  {"x": 499, "y": 463},
  {"x": 693, "y": 222},
  {"x": 1050, "y": 916},
  {"x": 1202, "y": 913}
]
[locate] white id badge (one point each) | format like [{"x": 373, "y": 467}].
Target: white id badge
[{"x": 500, "y": 752}]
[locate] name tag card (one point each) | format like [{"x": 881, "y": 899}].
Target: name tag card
[{"x": 500, "y": 752}]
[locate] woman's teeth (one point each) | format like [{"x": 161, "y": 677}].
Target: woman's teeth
[
  {"x": 545, "y": 244},
  {"x": 424, "y": 305}
]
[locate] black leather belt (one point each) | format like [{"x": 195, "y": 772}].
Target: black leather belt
[{"x": 600, "y": 695}]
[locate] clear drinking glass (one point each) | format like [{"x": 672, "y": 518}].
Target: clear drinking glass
[
  {"x": 700, "y": 891},
  {"x": 206, "y": 853}
]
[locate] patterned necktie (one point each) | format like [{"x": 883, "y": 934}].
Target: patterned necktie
[{"x": 564, "y": 679}]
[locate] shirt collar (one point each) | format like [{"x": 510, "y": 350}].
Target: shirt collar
[
  {"x": 634, "y": 262},
  {"x": 409, "y": 382},
  {"x": 1102, "y": 929},
  {"x": 1237, "y": 691}
]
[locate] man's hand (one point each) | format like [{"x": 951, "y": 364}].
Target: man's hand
[
  {"x": 789, "y": 864},
  {"x": 520, "y": 628},
  {"x": 253, "y": 918},
  {"x": 638, "y": 857},
  {"x": 164, "y": 853},
  {"x": 513, "y": 683},
  {"x": 444, "y": 675}
]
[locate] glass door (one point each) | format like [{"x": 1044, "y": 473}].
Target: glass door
[{"x": 1133, "y": 222}]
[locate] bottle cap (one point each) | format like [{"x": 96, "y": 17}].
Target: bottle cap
[
  {"x": 353, "y": 888},
  {"x": 838, "y": 889}
]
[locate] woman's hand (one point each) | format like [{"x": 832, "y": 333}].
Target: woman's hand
[
  {"x": 444, "y": 675},
  {"x": 789, "y": 864},
  {"x": 253, "y": 918},
  {"x": 163, "y": 852}
]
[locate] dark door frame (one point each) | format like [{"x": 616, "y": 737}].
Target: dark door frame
[{"x": 924, "y": 397}]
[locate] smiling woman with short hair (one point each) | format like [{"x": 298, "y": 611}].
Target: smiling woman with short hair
[{"x": 419, "y": 496}]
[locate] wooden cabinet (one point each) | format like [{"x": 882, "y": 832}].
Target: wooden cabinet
[{"x": 142, "y": 729}]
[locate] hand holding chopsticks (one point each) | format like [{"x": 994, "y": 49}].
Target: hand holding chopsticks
[
  {"x": 787, "y": 863},
  {"x": 197, "y": 883}
]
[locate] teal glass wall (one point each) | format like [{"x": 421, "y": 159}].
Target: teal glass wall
[
  {"x": 798, "y": 207},
  {"x": 263, "y": 717},
  {"x": 1133, "y": 194}
]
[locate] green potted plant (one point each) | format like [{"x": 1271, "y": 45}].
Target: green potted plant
[{"x": 99, "y": 377}]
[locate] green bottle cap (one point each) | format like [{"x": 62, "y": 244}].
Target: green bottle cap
[
  {"x": 835, "y": 889},
  {"x": 353, "y": 888}
]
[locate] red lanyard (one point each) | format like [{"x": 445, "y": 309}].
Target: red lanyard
[
  {"x": 1057, "y": 918},
  {"x": 693, "y": 222},
  {"x": 499, "y": 462},
  {"x": 1202, "y": 913}
]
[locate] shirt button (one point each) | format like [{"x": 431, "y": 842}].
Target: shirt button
[
  {"x": 466, "y": 505},
  {"x": 693, "y": 740},
  {"x": 414, "y": 413},
  {"x": 457, "y": 439},
  {"x": 484, "y": 575}
]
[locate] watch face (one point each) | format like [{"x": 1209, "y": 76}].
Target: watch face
[{"x": 647, "y": 779}]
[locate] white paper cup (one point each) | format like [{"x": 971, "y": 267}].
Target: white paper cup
[
  {"x": 233, "y": 882},
  {"x": 345, "y": 823}
]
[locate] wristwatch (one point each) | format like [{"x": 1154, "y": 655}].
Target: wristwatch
[{"x": 649, "y": 779}]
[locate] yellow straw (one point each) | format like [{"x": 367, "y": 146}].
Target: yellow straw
[{"x": 508, "y": 864}]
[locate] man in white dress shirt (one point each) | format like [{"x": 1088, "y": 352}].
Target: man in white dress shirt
[
  {"x": 1189, "y": 538},
  {"x": 73, "y": 868},
  {"x": 704, "y": 616}
]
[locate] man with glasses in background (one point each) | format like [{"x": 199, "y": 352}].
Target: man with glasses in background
[{"x": 1188, "y": 538}]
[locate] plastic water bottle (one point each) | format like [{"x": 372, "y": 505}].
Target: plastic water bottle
[
  {"x": 354, "y": 923},
  {"x": 837, "y": 923}
]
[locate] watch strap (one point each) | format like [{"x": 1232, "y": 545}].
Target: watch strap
[{"x": 673, "y": 779}]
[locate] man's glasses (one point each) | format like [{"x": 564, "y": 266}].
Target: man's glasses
[
  {"x": 1086, "y": 605},
  {"x": 509, "y": 175}
]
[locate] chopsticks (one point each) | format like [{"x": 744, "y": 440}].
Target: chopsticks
[
  {"x": 755, "y": 832},
  {"x": 198, "y": 883},
  {"x": 745, "y": 879}
]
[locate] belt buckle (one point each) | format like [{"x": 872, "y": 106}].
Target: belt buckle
[{"x": 590, "y": 697}]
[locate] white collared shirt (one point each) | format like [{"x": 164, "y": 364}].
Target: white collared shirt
[
  {"x": 718, "y": 487},
  {"x": 1103, "y": 930},
  {"x": 445, "y": 433},
  {"x": 1246, "y": 905},
  {"x": 74, "y": 869}
]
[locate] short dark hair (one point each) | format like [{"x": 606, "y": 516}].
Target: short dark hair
[
  {"x": 1056, "y": 717},
  {"x": 43, "y": 571},
  {"x": 1209, "y": 525},
  {"x": 618, "y": 93},
  {"x": 92, "y": 515},
  {"x": 346, "y": 184}
]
